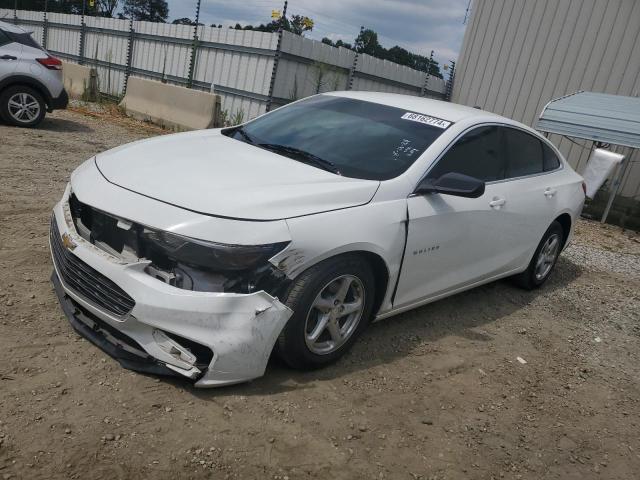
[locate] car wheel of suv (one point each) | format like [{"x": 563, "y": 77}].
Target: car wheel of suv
[
  {"x": 22, "y": 106},
  {"x": 544, "y": 259},
  {"x": 332, "y": 304}
]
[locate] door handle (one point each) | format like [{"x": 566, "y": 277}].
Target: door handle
[
  {"x": 549, "y": 192},
  {"x": 8, "y": 57},
  {"x": 497, "y": 202}
]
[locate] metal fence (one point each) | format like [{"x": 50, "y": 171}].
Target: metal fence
[{"x": 252, "y": 71}]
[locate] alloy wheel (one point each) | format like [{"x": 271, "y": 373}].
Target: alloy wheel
[
  {"x": 547, "y": 257},
  {"x": 334, "y": 314},
  {"x": 24, "y": 107}
]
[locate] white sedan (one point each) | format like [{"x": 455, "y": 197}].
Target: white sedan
[{"x": 198, "y": 254}]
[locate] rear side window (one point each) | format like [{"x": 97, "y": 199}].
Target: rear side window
[
  {"x": 477, "y": 154},
  {"x": 551, "y": 160},
  {"x": 23, "y": 38},
  {"x": 524, "y": 153},
  {"x": 3, "y": 38}
]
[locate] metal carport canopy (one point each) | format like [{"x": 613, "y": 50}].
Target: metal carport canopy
[{"x": 599, "y": 117}]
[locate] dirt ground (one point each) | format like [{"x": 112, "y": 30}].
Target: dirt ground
[{"x": 436, "y": 393}]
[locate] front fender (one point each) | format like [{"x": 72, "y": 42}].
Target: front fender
[{"x": 377, "y": 228}]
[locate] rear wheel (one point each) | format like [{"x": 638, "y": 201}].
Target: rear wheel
[
  {"x": 332, "y": 303},
  {"x": 22, "y": 106},
  {"x": 544, "y": 259}
]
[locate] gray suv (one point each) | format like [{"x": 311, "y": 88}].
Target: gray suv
[{"x": 30, "y": 79}]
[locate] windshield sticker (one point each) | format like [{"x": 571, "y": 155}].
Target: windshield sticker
[
  {"x": 404, "y": 149},
  {"x": 427, "y": 120}
]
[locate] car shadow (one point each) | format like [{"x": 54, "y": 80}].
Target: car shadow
[
  {"x": 53, "y": 124},
  {"x": 460, "y": 315}
]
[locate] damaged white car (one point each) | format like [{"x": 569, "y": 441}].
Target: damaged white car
[{"x": 197, "y": 254}]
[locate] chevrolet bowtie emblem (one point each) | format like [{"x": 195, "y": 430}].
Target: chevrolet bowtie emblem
[{"x": 67, "y": 242}]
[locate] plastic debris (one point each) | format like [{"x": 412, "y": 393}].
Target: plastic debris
[{"x": 521, "y": 360}]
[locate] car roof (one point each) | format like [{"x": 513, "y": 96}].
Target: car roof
[
  {"x": 9, "y": 27},
  {"x": 452, "y": 112}
]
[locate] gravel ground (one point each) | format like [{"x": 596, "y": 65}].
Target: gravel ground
[{"x": 436, "y": 393}]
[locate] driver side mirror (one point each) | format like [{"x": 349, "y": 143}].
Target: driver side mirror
[{"x": 452, "y": 183}]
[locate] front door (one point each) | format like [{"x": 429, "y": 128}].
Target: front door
[{"x": 454, "y": 241}]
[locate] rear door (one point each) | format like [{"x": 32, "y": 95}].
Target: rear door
[
  {"x": 530, "y": 190},
  {"x": 10, "y": 54}
]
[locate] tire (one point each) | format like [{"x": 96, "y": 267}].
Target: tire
[
  {"x": 312, "y": 297},
  {"x": 13, "y": 97},
  {"x": 535, "y": 274}
]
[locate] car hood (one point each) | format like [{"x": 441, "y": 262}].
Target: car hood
[{"x": 207, "y": 172}]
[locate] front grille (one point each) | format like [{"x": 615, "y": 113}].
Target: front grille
[{"x": 86, "y": 281}]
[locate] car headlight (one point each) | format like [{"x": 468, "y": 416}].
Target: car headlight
[{"x": 217, "y": 257}]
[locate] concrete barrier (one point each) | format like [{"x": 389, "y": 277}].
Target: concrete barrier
[
  {"x": 76, "y": 79},
  {"x": 170, "y": 106}
]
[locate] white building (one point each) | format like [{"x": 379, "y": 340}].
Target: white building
[{"x": 517, "y": 55}]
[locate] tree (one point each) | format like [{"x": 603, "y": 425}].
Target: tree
[
  {"x": 101, "y": 8},
  {"x": 147, "y": 10},
  {"x": 367, "y": 42},
  {"x": 106, "y": 8},
  {"x": 338, "y": 43},
  {"x": 298, "y": 24},
  {"x": 399, "y": 55},
  {"x": 182, "y": 21}
]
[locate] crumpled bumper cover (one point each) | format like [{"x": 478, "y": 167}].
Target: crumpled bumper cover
[
  {"x": 89, "y": 329},
  {"x": 155, "y": 336}
]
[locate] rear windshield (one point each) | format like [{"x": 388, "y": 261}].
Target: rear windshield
[
  {"x": 23, "y": 38},
  {"x": 361, "y": 139}
]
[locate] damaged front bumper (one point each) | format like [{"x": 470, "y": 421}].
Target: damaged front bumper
[{"x": 212, "y": 338}]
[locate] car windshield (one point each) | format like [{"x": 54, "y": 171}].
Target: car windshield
[{"x": 348, "y": 137}]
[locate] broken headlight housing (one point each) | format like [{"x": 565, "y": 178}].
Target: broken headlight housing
[
  {"x": 217, "y": 257},
  {"x": 205, "y": 266},
  {"x": 180, "y": 261}
]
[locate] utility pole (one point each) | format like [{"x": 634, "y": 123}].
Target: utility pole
[{"x": 276, "y": 57}]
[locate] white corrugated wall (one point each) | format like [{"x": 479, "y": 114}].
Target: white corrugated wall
[{"x": 236, "y": 64}]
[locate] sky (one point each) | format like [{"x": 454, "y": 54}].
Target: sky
[{"x": 417, "y": 25}]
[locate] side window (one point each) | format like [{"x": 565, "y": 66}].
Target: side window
[
  {"x": 524, "y": 153},
  {"x": 551, "y": 160},
  {"x": 4, "y": 39},
  {"x": 476, "y": 154},
  {"x": 23, "y": 38}
]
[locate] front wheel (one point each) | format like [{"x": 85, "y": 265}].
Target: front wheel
[
  {"x": 544, "y": 259},
  {"x": 332, "y": 303},
  {"x": 22, "y": 106}
]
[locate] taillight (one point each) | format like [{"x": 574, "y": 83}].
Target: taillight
[
  {"x": 584, "y": 188},
  {"x": 52, "y": 63}
]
